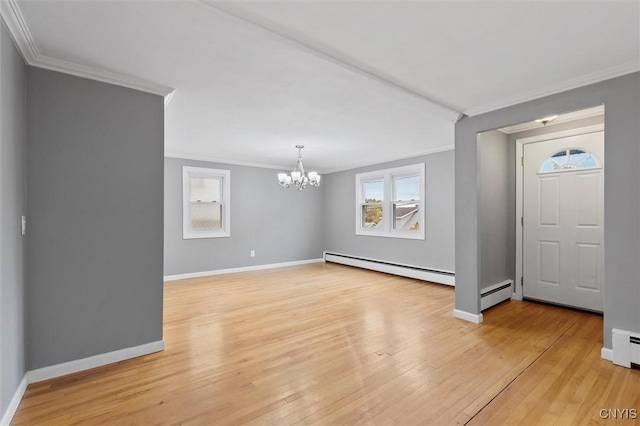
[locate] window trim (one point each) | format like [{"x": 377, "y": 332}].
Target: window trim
[
  {"x": 360, "y": 202},
  {"x": 187, "y": 173},
  {"x": 388, "y": 202}
]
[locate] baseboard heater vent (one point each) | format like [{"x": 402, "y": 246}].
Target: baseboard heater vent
[
  {"x": 495, "y": 294},
  {"x": 417, "y": 272},
  {"x": 626, "y": 348}
]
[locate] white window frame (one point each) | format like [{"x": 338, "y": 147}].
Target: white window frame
[
  {"x": 388, "y": 202},
  {"x": 203, "y": 172}
]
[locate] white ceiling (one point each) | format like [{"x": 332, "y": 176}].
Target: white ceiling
[{"x": 356, "y": 82}]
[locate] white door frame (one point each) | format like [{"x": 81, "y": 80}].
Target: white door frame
[{"x": 519, "y": 190}]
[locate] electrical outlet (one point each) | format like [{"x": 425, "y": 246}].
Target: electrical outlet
[{"x": 253, "y": 253}]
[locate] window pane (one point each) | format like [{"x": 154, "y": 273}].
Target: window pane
[
  {"x": 548, "y": 166},
  {"x": 206, "y": 216},
  {"x": 373, "y": 191},
  {"x": 406, "y": 216},
  {"x": 406, "y": 188},
  {"x": 205, "y": 189},
  {"x": 590, "y": 161},
  {"x": 567, "y": 160},
  {"x": 372, "y": 216},
  {"x": 560, "y": 154},
  {"x": 576, "y": 156}
]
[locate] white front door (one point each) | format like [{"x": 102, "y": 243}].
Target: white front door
[{"x": 563, "y": 214}]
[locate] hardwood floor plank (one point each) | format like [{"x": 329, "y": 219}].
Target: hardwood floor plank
[{"x": 328, "y": 344}]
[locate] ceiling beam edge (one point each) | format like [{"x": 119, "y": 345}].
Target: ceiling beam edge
[{"x": 439, "y": 108}]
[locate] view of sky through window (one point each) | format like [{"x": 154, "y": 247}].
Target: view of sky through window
[
  {"x": 205, "y": 189},
  {"x": 374, "y": 190},
  {"x": 406, "y": 188}
]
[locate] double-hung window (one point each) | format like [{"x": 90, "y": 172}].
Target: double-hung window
[
  {"x": 372, "y": 203},
  {"x": 390, "y": 203},
  {"x": 205, "y": 202}
]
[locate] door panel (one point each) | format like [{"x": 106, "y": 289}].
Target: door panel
[
  {"x": 587, "y": 199},
  {"x": 549, "y": 262},
  {"x": 550, "y": 194},
  {"x": 587, "y": 266},
  {"x": 563, "y": 232}
]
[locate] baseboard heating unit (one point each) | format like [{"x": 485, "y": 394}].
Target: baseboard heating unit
[
  {"x": 626, "y": 348},
  {"x": 495, "y": 294},
  {"x": 417, "y": 272}
]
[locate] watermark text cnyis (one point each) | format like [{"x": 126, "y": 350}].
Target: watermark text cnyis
[{"x": 618, "y": 413}]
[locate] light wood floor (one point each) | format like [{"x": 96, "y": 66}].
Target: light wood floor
[{"x": 330, "y": 344}]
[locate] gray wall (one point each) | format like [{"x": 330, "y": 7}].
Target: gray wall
[
  {"x": 281, "y": 225},
  {"x": 12, "y": 206},
  {"x": 95, "y": 212},
  {"x": 496, "y": 222},
  {"x": 436, "y": 251},
  {"x": 621, "y": 97}
]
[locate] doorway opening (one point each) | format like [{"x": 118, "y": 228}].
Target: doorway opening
[{"x": 559, "y": 214}]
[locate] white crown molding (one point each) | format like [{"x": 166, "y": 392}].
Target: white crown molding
[
  {"x": 17, "y": 26},
  {"x": 321, "y": 171},
  {"x": 222, "y": 161},
  {"x": 564, "y": 118},
  {"x": 18, "y": 29},
  {"x": 168, "y": 98},
  {"x": 391, "y": 159},
  {"x": 574, "y": 83},
  {"x": 101, "y": 75}
]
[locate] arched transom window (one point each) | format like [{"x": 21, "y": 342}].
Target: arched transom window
[{"x": 569, "y": 159}]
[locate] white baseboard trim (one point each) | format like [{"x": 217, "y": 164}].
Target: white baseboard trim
[
  {"x": 606, "y": 353},
  {"x": 495, "y": 294},
  {"x": 467, "y": 316},
  {"x": 403, "y": 270},
  {"x": 15, "y": 402},
  {"x": 241, "y": 269},
  {"x": 78, "y": 365}
]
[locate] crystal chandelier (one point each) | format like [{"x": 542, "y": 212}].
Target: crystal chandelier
[{"x": 298, "y": 177}]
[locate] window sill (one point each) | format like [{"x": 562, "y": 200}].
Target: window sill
[
  {"x": 401, "y": 235},
  {"x": 206, "y": 235}
]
